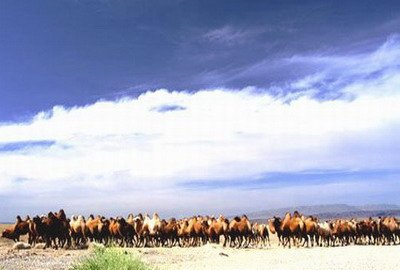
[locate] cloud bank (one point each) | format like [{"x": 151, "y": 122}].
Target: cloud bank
[{"x": 141, "y": 151}]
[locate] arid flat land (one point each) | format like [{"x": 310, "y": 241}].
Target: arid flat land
[{"x": 217, "y": 257}]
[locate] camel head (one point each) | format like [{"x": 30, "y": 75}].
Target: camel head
[
  {"x": 18, "y": 219},
  {"x": 4, "y": 233},
  {"x": 61, "y": 214}
]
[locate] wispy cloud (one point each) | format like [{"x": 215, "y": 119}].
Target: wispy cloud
[
  {"x": 335, "y": 71},
  {"x": 230, "y": 35},
  {"x": 324, "y": 73}
]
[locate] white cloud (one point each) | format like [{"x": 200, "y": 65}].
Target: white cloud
[
  {"x": 217, "y": 134},
  {"x": 220, "y": 135}
]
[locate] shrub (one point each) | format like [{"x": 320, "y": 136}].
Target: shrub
[{"x": 110, "y": 259}]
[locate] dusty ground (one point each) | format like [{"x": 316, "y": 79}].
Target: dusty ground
[
  {"x": 35, "y": 258},
  {"x": 208, "y": 257},
  {"x": 216, "y": 257}
]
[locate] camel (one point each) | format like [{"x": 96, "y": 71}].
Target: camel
[
  {"x": 240, "y": 231},
  {"x": 343, "y": 231},
  {"x": 120, "y": 231},
  {"x": 390, "y": 230},
  {"x": 365, "y": 231},
  {"x": 21, "y": 227},
  {"x": 274, "y": 225},
  {"x": 324, "y": 233},
  {"x": 199, "y": 227},
  {"x": 311, "y": 230},
  {"x": 292, "y": 227},
  {"x": 96, "y": 229},
  {"x": 54, "y": 227},
  {"x": 10, "y": 234},
  {"x": 78, "y": 230},
  {"x": 261, "y": 234},
  {"x": 151, "y": 228},
  {"x": 217, "y": 228},
  {"x": 169, "y": 232}
]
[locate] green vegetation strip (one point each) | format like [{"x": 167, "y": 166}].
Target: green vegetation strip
[{"x": 111, "y": 259}]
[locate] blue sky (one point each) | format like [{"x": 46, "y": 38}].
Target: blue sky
[
  {"x": 132, "y": 100},
  {"x": 76, "y": 52}
]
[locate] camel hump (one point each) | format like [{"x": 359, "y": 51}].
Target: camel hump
[{"x": 288, "y": 215}]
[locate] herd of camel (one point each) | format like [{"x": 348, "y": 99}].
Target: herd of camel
[{"x": 56, "y": 230}]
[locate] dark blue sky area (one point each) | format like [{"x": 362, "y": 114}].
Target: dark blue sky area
[{"x": 76, "y": 52}]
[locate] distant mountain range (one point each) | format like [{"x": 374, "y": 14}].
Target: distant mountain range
[{"x": 329, "y": 211}]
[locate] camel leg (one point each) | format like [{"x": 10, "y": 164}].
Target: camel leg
[
  {"x": 286, "y": 241},
  {"x": 308, "y": 238},
  {"x": 225, "y": 240},
  {"x": 246, "y": 241},
  {"x": 294, "y": 238},
  {"x": 304, "y": 241}
]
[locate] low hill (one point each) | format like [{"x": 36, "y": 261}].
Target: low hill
[{"x": 330, "y": 211}]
